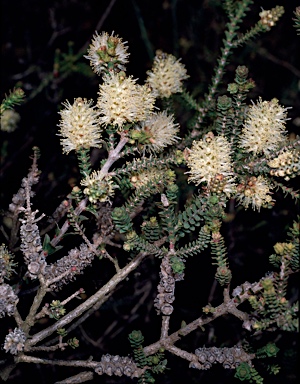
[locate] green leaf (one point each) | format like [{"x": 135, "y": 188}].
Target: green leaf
[{"x": 48, "y": 248}]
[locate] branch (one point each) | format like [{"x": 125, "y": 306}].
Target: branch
[
  {"x": 101, "y": 295},
  {"x": 81, "y": 207},
  {"x": 114, "y": 154},
  {"x": 80, "y": 378},
  {"x": 229, "y": 307}
]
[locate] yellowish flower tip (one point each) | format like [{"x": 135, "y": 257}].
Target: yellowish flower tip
[
  {"x": 264, "y": 128},
  {"x": 160, "y": 130},
  {"x": 279, "y": 248},
  {"x": 79, "y": 125},
  {"x": 180, "y": 159},
  {"x": 209, "y": 157},
  {"x": 269, "y": 18},
  {"x": 122, "y": 101},
  {"x": 107, "y": 53},
  {"x": 153, "y": 220},
  {"x": 98, "y": 188},
  {"x": 153, "y": 175},
  {"x": 9, "y": 120},
  {"x": 166, "y": 75},
  {"x": 267, "y": 284},
  {"x": 283, "y": 248},
  {"x": 76, "y": 189},
  {"x": 257, "y": 325},
  {"x": 6, "y": 264},
  {"x": 255, "y": 192},
  {"x": 208, "y": 309}
]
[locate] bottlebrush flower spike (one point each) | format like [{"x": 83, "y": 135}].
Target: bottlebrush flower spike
[
  {"x": 264, "y": 128},
  {"x": 157, "y": 131},
  {"x": 79, "y": 125},
  {"x": 255, "y": 192},
  {"x": 98, "y": 188},
  {"x": 9, "y": 120},
  {"x": 107, "y": 53},
  {"x": 122, "y": 101},
  {"x": 166, "y": 75},
  {"x": 209, "y": 157}
]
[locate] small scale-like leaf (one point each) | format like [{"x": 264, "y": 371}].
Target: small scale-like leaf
[{"x": 48, "y": 248}]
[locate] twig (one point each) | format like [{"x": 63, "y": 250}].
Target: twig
[
  {"x": 30, "y": 319},
  {"x": 81, "y": 207},
  {"x": 114, "y": 154},
  {"x": 264, "y": 53},
  {"x": 50, "y": 349},
  {"x": 80, "y": 378},
  {"x": 165, "y": 327},
  {"x": 181, "y": 353},
  {"x": 85, "y": 316},
  {"x": 101, "y": 294},
  {"x": 221, "y": 310},
  {"x": 67, "y": 363}
]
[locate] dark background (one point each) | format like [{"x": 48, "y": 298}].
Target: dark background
[{"x": 31, "y": 32}]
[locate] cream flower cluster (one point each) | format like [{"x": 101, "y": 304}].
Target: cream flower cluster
[
  {"x": 162, "y": 131},
  {"x": 255, "y": 192},
  {"x": 286, "y": 165},
  {"x": 79, "y": 125},
  {"x": 122, "y": 101},
  {"x": 264, "y": 127},
  {"x": 152, "y": 175},
  {"x": 9, "y": 120},
  {"x": 98, "y": 188},
  {"x": 107, "y": 53},
  {"x": 166, "y": 75},
  {"x": 209, "y": 157},
  {"x": 269, "y": 17}
]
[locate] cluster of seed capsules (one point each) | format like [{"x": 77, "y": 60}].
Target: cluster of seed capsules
[
  {"x": 14, "y": 341},
  {"x": 165, "y": 297},
  {"x": 69, "y": 266},
  {"x": 31, "y": 247},
  {"x": 230, "y": 358},
  {"x": 105, "y": 224},
  {"x": 8, "y": 300},
  {"x": 118, "y": 365}
]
